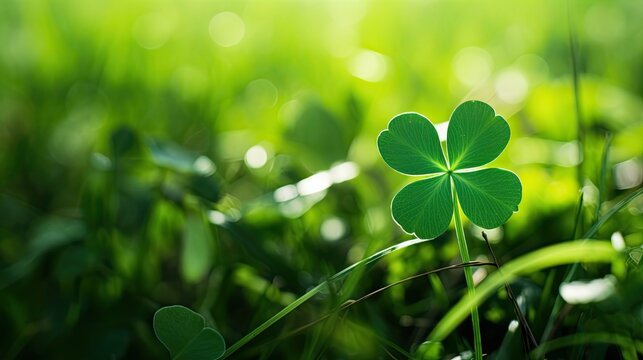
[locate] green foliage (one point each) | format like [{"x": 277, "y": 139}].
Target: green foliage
[
  {"x": 198, "y": 246},
  {"x": 476, "y": 136},
  {"x": 147, "y": 160},
  {"x": 318, "y": 289},
  {"x": 185, "y": 334},
  {"x": 565, "y": 253}
]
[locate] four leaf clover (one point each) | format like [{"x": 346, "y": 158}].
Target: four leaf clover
[{"x": 475, "y": 137}]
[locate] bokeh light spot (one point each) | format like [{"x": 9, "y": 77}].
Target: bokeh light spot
[
  {"x": 333, "y": 229},
  {"x": 227, "y": 29},
  {"x": 262, "y": 91},
  {"x": 256, "y": 157},
  {"x": 153, "y": 30},
  {"x": 584, "y": 292},
  {"x": 368, "y": 65},
  {"x": 512, "y": 86},
  {"x": 204, "y": 166},
  {"x": 604, "y": 23},
  {"x": 628, "y": 174},
  {"x": 472, "y": 66}
]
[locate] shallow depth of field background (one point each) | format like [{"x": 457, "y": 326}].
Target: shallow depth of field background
[{"x": 152, "y": 153}]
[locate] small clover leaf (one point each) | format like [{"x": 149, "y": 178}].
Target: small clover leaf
[
  {"x": 475, "y": 136},
  {"x": 185, "y": 334}
]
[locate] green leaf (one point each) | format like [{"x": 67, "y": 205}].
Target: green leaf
[
  {"x": 476, "y": 135},
  {"x": 588, "y": 338},
  {"x": 171, "y": 156},
  {"x": 208, "y": 345},
  {"x": 205, "y": 187},
  {"x": 196, "y": 257},
  {"x": 489, "y": 196},
  {"x": 123, "y": 140},
  {"x": 430, "y": 350},
  {"x": 176, "y": 158},
  {"x": 424, "y": 207},
  {"x": 411, "y": 145},
  {"x": 320, "y": 136},
  {"x": 184, "y": 333},
  {"x": 176, "y": 326}
]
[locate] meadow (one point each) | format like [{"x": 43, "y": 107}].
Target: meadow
[{"x": 217, "y": 163}]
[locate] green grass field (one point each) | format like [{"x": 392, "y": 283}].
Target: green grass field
[{"x": 223, "y": 156}]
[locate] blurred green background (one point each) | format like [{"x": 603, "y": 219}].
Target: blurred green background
[{"x": 153, "y": 152}]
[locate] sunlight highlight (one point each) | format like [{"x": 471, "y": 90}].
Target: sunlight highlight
[
  {"x": 333, "y": 229},
  {"x": 344, "y": 172},
  {"x": 256, "y": 157},
  {"x": 584, "y": 292},
  {"x": 315, "y": 183},
  {"x": 217, "y": 217},
  {"x": 285, "y": 193},
  {"x": 513, "y": 326},
  {"x": 618, "y": 242},
  {"x": 442, "y": 128},
  {"x": 204, "y": 166},
  {"x": 472, "y": 66},
  {"x": 368, "y": 65},
  {"x": 511, "y": 86},
  {"x": 628, "y": 174},
  {"x": 325, "y": 179}
]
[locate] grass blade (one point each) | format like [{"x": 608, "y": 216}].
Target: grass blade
[
  {"x": 579, "y": 212},
  {"x": 613, "y": 210},
  {"x": 350, "y": 303},
  {"x": 576, "y": 339},
  {"x": 602, "y": 176},
  {"x": 314, "y": 291},
  {"x": 589, "y": 234},
  {"x": 529, "y": 340},
  {"x": 580, "y": 130},
  {"x": 560, "y": 254}
]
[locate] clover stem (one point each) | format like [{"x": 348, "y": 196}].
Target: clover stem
[{"x": 464, "y": 253}]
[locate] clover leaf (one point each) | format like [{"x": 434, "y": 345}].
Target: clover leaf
[
  {"x": 185, "y": 334},
  {"x": 475, "y": 137}
]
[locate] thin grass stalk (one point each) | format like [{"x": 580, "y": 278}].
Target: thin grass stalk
[{"x": 468, "y": 275}]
